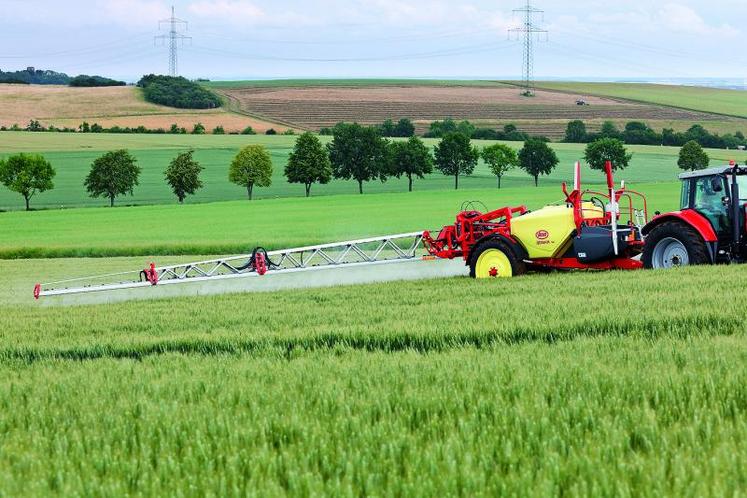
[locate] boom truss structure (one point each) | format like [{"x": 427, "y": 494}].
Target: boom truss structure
[{"x": 354, "y": 253}]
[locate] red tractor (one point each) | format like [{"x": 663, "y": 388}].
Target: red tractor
[{"x": 708, "y": 228}]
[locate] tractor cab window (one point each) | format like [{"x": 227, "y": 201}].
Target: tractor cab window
[
  {"x": 708, "y": 200},
  {"x": 742, "y": 182},
  {"x": 687, "y": 186}
]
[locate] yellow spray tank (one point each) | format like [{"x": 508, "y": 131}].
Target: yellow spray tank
[{"x": 546, "y": 233}]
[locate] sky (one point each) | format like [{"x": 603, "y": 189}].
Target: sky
[{"x": 247, "y": 39}]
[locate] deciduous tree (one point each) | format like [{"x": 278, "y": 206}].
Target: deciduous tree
[
  {"x": 500, "y": 159},
  {"x": 251, "y": 167},
  {"x": 600, "y": 151},
  {"x": 410, "y": 158},
  {"x": 358, "y": 153},
  {"x": 456, "y": 156},
  {"x": 183, "y": 175},
  {"x": 309, "y": 162},
  {"x": 537, "y": 158},
  {"x": 27, "y": 174},
  {"x": 115, "y": 173},
  {"x": 692, "y": 157}
]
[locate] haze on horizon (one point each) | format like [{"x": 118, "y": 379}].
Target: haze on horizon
[{"x": 377, "y": 38}]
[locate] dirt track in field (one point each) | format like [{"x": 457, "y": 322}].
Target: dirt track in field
[{"x": 316, "y": 107}]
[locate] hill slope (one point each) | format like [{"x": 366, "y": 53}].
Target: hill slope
[{"x": 122, "y": 106}]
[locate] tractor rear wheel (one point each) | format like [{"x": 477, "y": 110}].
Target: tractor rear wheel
[
  {"x": 495, "y": 259},
  {"x": 674, "y": 244}
]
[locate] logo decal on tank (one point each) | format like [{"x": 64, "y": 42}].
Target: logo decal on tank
[{"x": 542, "y": 234}]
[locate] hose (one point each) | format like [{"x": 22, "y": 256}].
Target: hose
[{"x": 252, "y": 259}]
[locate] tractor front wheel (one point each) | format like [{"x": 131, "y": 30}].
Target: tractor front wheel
[
  {"x": 495, "y": 259},
  {"x": 672, "y": 245}
]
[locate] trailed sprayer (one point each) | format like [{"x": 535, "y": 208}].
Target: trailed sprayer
[{"x": 587, "y": 229}]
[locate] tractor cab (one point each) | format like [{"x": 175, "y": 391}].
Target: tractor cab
[
  {"x": 708, "y": 192},
  {"x": 710, "y": 225}
]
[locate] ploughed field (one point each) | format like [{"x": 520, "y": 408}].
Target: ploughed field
[
  {"x": 314, "y": 107},
  {"x": 623, "y": 383}
]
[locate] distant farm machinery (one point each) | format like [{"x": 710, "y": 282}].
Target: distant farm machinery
[{"x": 588, "y": 230}]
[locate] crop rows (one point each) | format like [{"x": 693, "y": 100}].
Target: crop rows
[
  {"x": 315, "y": 114},
  {"x": 449, "y": 387}
]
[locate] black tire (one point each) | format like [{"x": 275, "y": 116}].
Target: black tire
[
  {"x": 517, "y": 264},
  {"x": 697, "y": 251}
]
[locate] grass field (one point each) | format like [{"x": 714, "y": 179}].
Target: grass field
[
  {"x": 450, "y": 387},
  {"x": 72, "y": 156},
  {"x": 239, "y": 226},
  {"x": 713, "y": 100}
]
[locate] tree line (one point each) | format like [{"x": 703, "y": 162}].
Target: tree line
[
  {"x": 35, "y": 125},
  {"x": 639, "y": 133},
  {"x": 356, "y": 152},
  {"x": 33, "y": 76}
]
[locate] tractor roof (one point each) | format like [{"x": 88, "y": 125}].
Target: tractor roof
[{"x": 718, "y": 170}]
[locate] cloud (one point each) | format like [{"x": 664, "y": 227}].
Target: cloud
[
  {"x": 683, "y": 19},
  {"x": 232, "y": 11}
]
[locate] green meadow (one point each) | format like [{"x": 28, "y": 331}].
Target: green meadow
[{"x": 72, "y": 155}]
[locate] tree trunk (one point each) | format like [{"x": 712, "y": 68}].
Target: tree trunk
[
  {"x": 308, "y": 189},
  {"x": 111, "y": 200},
  {"x": 456, "y": 182},
  {"x": 249, "y": 189},
  {"x": 27, "y": 202},
  {"x": 536, "y": 179},
  {"x": 499, "y": 181},
  {"x": 409, "y": 177},
  {"x": 360, "y": 186}
]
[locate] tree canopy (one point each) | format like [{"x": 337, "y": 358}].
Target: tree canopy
[
  {"x": 84, "y": 80},
  {"x": 183, "y": 175},
  {"x": 402, "y": 128},
  {"x": 600, "y": 151},
  {"x": 692, "y": 157},
  {"x": 537, "y": 158},
  {"x": 176, "y": 91},
  {"x": 358, "y": 153},
  {"x": 410, "y": 158},
  {"x": 251, "y": 167},
  {"x": 27, "y": 174},
  {"x": 115, "y": 173},
  {"x": 309, "y": 162},
  {"x": 575, "y": 132},
  {"x": 500, "y": 158},
  {"x": 456, "y": 156}
]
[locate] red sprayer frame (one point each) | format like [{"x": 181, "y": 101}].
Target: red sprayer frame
[{"x": 472, "y": 226}]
